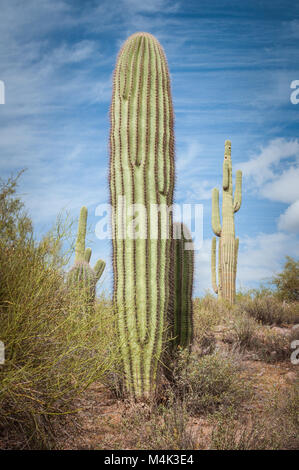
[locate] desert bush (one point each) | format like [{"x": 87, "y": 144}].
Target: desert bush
[
  {"x": 269, "y": 310},
  {"x": 266, "y": 343},
  {"x": 210, "y": 304},
  {"x": 15, "y": 225},
  {"x": 207, "y": 314},
  {"x": 155, "y": 427},
  {"x": 168, "y": 428},
  {"x": 274, "y": 345},
  {"x": 287, "y": 282},
  {"x": 276, "y": 428},
  {"x": 271, "y": 345},
  {"x": 244, "y": 330},
  {"x": 208, "y": 383},
  {"x": 229, "y": 434},
  {"x": 51, "y": 353}
]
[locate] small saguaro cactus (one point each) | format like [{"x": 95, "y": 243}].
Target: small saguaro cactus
[
  {"x": 228, "y": 244},
  {"x": 181, "y": 315},
  {"x": 82, "y": 279},
  {"x": 141, "y": 177}
]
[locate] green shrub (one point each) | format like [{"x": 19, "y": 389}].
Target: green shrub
[
  {"x": 267, "y": 343},
  {"x": 207, "y": 314},
  {"x": 273, "y": 346},
  {"x": 287, "y": 282},
  {"x": 244, "y": 330},
  {"x": 209, "y": 383},
  {"x": 51, "y": 353},
  {"x": 269, "y": 310}
]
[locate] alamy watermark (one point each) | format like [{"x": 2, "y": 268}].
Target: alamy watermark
[
  {"x": 2, "y": 92},
  {"x": 295, "y": 94},
  {"x": 125, "y": 221},
  {"x": 295, "y": 346}
]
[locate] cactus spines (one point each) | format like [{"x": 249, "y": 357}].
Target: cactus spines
[
  {"x": 236, "y": 257},
  {"x": 238, "y": 191},
  {"x": 87, "y": 254},
  {"x": 99, "y": 268},
  {"x": 228, "y": 245},
  {"x": 216, "y": 224},
  {"x": 82, "y": 279},
  {"x": 141, "y": 175},
  {"x": 183, "y": 270},
  {"x": 213, "y": 265}
]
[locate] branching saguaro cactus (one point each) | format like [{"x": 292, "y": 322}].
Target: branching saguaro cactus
[
  {"x": 82, "y": 279},
  {"x": 228, "y": 244},
  {"x": 141, "y": 175},
  {"x": 183, "y": 270}
]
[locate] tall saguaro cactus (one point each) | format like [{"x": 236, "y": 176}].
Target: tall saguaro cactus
[
  {"x": 183, "y": 270},
  {"x": 141, "y": 175},
  {"x": 228, "y": 244},
  {"x": 82, "y": 279}
]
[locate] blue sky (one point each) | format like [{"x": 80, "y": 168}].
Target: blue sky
[{"x": 231, "y": 66}]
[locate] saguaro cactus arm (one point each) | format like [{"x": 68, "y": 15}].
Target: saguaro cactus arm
[
  {"x": 238, "y": 191},
  {"x": 216, "y": 224},
  {"x": 80, "y": 241},
  {"x": 213, "y": 265},
  {"x": 219, "y": 271},
  {"x": 87, "y": 255},
  {"x": 236, "y": 256},
  {"x": 99, "y": 268},
  {"x": 225, "y": 179}
]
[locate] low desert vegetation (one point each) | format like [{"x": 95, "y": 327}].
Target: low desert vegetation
[
  {"x": 269, "y": 310},
  {"x": 275, "y": 428},
  {"x": 236, "y": 388},
  {"x": 210, "y": 382},
  {"x": 52, "y": 353}
]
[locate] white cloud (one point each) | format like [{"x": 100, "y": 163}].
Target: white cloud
[
  {"x": 263, "y": 167},
  {"x": 75, "y": 53},
  {"x": 271, "y": 181},
  {"x": 289, "y": 220},
  {"x": 259, "y": 259},
  {"x": 284, "y": 187}
]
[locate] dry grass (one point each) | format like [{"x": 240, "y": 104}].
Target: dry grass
[
  {"x": 269, "y": 310},
  {"x": 158, "y": 428},
  {"x": 210, "y": 382},
  {"x": 267, "y": 343},
  {"x": 277, "y": 427}
]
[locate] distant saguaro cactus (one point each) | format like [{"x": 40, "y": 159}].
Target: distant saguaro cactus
[
  {"x": 141, "y": 176},
  {"x": 228, "y": 244},
  {"x": 82, "y": 279},
  {"x": 183, "y": 270}
]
